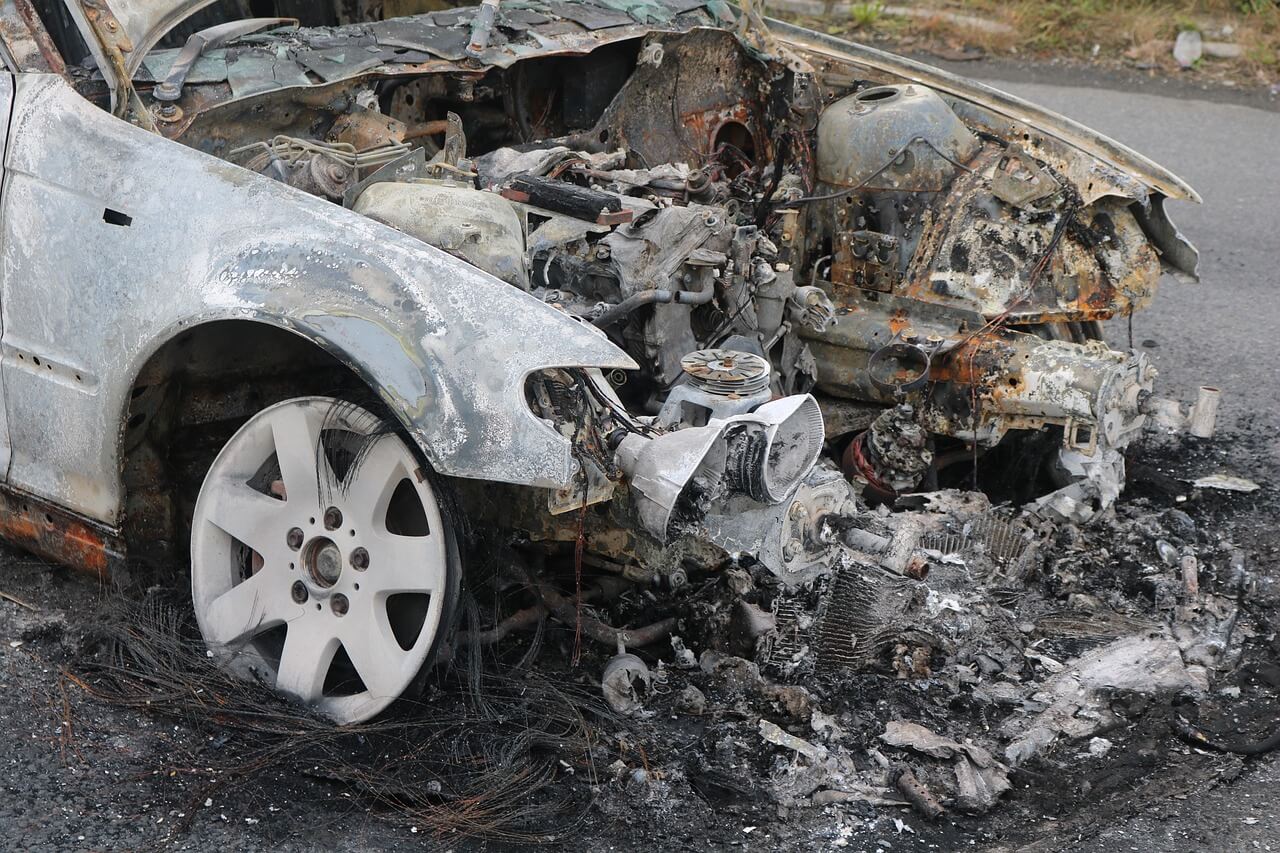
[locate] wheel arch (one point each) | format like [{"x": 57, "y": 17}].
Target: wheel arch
[{"x": 203, "y": 378}]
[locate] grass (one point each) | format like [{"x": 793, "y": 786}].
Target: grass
[
  {"x": 865, "y": 14},
  {"x": 1137, "y": 32}
]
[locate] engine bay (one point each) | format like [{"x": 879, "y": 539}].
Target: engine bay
[{"x": 838, "y": 285}]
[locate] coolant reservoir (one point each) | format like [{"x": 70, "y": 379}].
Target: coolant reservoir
[
  {"x": 892, "y": 138},
  {"x": 481, "y": 228}
]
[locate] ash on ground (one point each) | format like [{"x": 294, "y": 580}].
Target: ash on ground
[{"x": 968, "y": 673}]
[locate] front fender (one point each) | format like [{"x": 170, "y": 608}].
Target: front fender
[
  {"x": 446, "y": 346},
  {"x": 115, "y": 237}
]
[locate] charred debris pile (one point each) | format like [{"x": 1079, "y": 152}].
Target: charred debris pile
[
  {"x": 1001, "y": 649},
  {"x": 958, "y": 648}
]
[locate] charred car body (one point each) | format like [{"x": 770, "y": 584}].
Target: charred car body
[{"x": 654, "y": 287}]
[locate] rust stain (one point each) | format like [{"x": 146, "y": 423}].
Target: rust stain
[
  {"x": 705, "y": 126},
  {"x": 58, "y": 536},
  {"x": 973, "y": 361},
  {"x": 35, "y": 33}
]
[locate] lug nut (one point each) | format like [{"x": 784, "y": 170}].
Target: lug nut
[
  {"x": 339, "y": 604},
  {"x": 332, "y": 518},
  {"x": 299, "y": 592},
  {"x": 294, "y": 538},
  {"x": 360, "y": 559}
]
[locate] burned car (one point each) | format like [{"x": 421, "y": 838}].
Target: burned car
[{"x": 654, "y": 288}]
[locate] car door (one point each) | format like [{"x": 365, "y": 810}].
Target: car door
[{"x": 6, "y": 107}]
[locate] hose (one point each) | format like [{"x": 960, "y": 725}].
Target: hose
[{"x": 616, "y": 312}]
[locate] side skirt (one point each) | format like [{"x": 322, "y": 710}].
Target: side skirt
[{"x": 60, "y": 536}]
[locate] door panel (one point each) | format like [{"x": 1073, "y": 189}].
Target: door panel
[{"x": 6, "y": 109}]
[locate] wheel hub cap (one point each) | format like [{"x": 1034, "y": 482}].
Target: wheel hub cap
[{"x": 323, "y": 562}]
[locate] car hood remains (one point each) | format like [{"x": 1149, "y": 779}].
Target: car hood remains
[{"x": 145, "y": 22}]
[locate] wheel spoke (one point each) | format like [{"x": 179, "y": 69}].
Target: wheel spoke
[
  {"x": 246, "y": 515},
  {"x": 377, "y": 657},
  {"x": 373, "y": 481},
  {"x": 307, "y": 655},
  {"x": 303, "y": 466},
  {"x": 406, "y": 563},
  {"x": 249, "y": 607}
]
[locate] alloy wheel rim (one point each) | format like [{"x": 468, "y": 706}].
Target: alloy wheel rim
[{"x": 320, "y": 558}]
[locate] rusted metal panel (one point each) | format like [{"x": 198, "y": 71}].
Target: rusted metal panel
[
  {"x": 659, "y": 120},
  {"x": 996, "y": 264},
  {"x": 49, "y": 531},
  {"x": 26, "y": 39}
]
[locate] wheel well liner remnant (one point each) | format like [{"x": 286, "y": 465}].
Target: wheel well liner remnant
[{"x": 193, "y": 393}]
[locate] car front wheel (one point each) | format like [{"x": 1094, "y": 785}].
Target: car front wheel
[{"x": 321, "y": 563}]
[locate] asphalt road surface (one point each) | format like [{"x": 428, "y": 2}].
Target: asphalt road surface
[{"x": 1221, "y": 332}]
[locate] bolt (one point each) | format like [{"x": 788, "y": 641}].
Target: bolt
[
  {"x": 339, "y": 604},
  {"x": 294, "y": 538},
  {"x": 332, "y": 518},
  {"x": 360, "y": 559},
  {"x": 299, "y": 592}
]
